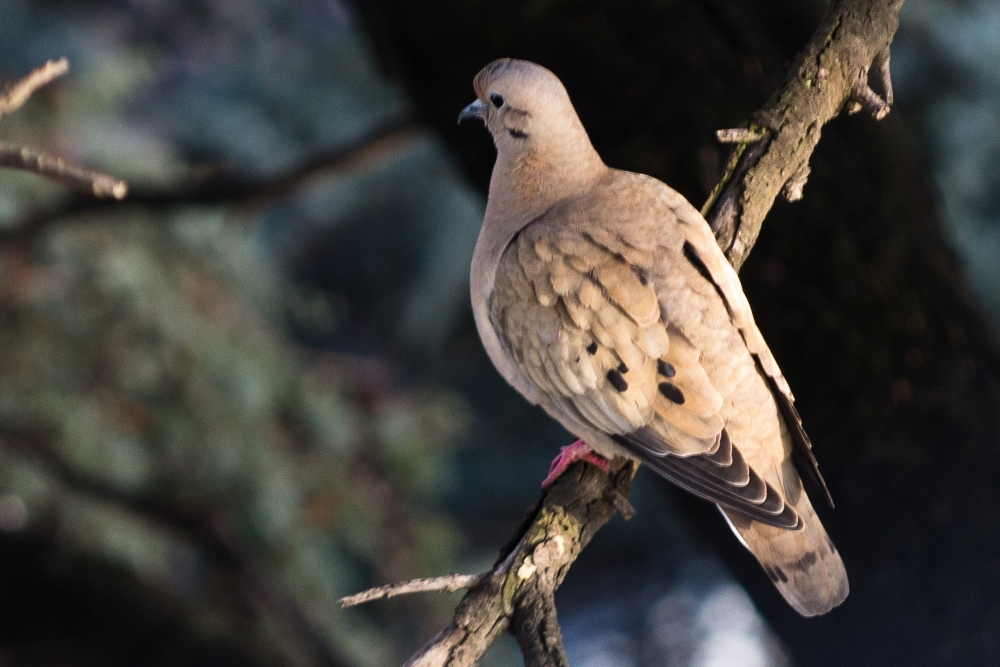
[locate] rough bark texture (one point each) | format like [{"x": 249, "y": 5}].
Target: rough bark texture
[
  {"x": 854, "y": 288},
  {"x": 822, "y": 80},
  {"x": 519, "y": 593}
]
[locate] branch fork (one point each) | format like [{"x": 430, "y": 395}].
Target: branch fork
[{"x": 518, "y": 594}]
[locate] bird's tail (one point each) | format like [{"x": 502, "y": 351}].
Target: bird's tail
[{"x": 803, "y": 564}]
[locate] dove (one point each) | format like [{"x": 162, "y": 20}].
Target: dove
[{"x": 602, "y": 296}]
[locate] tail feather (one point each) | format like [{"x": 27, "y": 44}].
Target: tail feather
[{"x": 804, "y": 564}]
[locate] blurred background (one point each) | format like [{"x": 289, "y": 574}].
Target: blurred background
[{"x": 255, "y": 385}]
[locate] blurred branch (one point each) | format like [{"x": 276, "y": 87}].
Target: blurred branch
[
  {"x": 828, "y": 76},
  {"x": 227, "y": 186},
  {"x": 772, "y": 155},
  {"x": 64, "y": 171},
  {"x": 59, "y": 169},
  {"x": 210, "y": 530},
  {"x": 21, "y": 91}
]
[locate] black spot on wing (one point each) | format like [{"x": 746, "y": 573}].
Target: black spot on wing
[
  {"x": 517, "y": 134},
  {"x": 622, "y": 368},
  {"x": 672, "y": 393},
  {"x": 616, "y": 380},
  {"x": 665, "y": 368},
  {"x": 592, "y": 348},
  {"x": 640, "y": 273},
  {"x": 781, "y": 574}
]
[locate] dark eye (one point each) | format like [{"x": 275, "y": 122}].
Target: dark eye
[{"x": 497, "y": 99}]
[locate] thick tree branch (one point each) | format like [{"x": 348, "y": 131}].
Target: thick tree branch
[
  {"x": 518, "y": 594},
  {"x": 771, "y": 157},
  {"x": 829, "y": 75}
]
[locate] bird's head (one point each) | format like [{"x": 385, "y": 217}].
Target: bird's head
[{"x": 524, "y": 106}]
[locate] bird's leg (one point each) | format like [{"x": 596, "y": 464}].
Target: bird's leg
[{"x": 570, "y": 454}]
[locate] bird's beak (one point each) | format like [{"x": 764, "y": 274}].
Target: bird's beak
[{"x": 474, "y": 110}]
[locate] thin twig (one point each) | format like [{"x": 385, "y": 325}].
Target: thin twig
[
  {"x": 60, "y": 169},
  {"x": 101, "y": 185},
  {"x": 446, "y": 584},
  {"x": 19, "y": 93},
  {"x": 738, "y": 135}
]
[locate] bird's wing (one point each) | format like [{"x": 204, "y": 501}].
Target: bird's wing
[
  {"x": 577, "y": 313},
  {"x": 702, "y": 248}
]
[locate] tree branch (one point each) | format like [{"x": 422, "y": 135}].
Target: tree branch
[
  {"x": 518, "y": 594},
  {"x": 101, "y": 185},
  {"x": 829, "y": 75},
  {"x": 446, "y": 584},
  {"x": 771, "y": 157},
  {"x": 21, "y": 91},
  {"x": 226, "y": 186}
]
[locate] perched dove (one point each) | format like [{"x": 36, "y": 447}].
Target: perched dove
[{"x": 602, "y": 296}]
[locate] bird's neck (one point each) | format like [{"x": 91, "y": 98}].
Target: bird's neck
[
  {"x": 523, "y": 187},
  {"x": 526, "y": 183}
]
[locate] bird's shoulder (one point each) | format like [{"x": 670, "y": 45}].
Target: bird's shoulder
[{"x": 643, "y": 211}]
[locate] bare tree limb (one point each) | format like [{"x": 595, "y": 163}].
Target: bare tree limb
[
  {"x": 59, "y": 169},
  {"x": 829, "y": 75},
  {"x": 21, "y": 91},
  {"x": 227, "y": 186},
  {"x": 446, "y": 584},
  {"x": 518, "y": 594}
]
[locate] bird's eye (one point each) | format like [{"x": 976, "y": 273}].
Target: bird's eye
[{"x": 497, "y": 100}]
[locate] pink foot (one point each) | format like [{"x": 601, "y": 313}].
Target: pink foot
[{"x": 570, "y": 454}]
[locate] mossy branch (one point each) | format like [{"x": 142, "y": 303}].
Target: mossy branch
[{"x": 518, "y": 594}]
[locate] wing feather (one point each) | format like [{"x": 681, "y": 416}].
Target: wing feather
[{"x": 581, "y": 317}]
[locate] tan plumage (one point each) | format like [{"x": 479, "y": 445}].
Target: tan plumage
[{"x": 602, "y": 296}]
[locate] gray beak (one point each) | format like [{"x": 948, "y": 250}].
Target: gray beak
[{"x": 474, "y": 110}]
